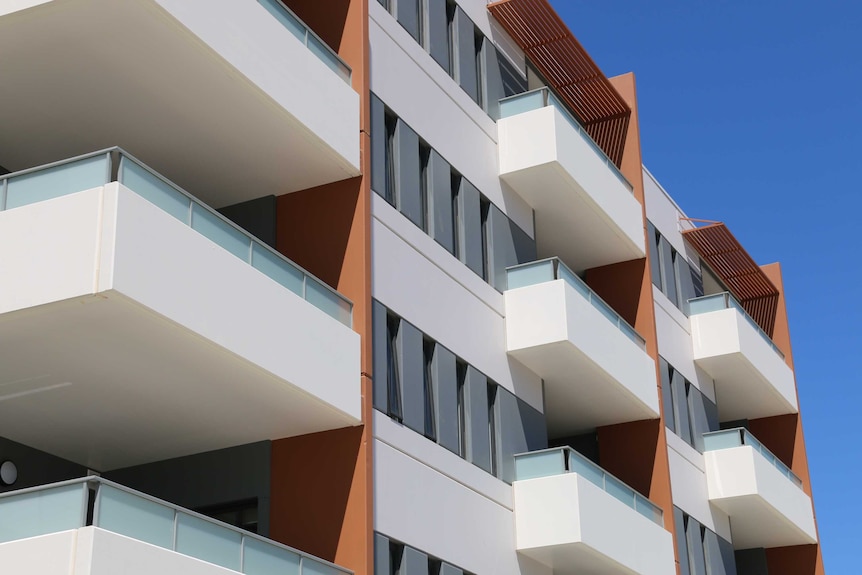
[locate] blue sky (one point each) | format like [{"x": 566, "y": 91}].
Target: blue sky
[{"x": 750, "y": 114}]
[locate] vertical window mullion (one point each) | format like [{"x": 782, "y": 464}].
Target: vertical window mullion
[
  {"x": 428, "y": 347},
  {"x": 393, "y": 375}
]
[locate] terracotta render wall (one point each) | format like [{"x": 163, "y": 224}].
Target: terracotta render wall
[
  {"x": 322, "y": 483},
  {"x": 635, "y": 452},
  {"x": 784, "y": 437}
]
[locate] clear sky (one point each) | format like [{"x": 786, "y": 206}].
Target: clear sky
[{"x": 751, "y": 114}]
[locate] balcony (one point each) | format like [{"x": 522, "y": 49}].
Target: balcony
[
  {"x": 764, "y": 499},
  {"x": 584, "y": 208},
  {"x": 100, "y": 527},
  {"x": 575, "y": 517},
  {"x": 236, "y": 98},
  {"x": 594, "y": 364},
  {"x": 128, "y": 304},
  {"x": 752, "y": 380}
]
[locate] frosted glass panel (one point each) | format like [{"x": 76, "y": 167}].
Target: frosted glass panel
[
  {"x": 706, "y": 304},
  {"x": 135, "y": 517},
  {"x": 574, "y": 281},
  {"x": 620, "y": 490},
  {"x": 648, "y": 510},
  {"x": 586, "y": 469},
  {"x": 324, "y": 299},
  {"x": 541, "y": 464},
  {"x": 154, "y": 189},
  {"x": 311, "y": 567},
  {"x": 42, "y": 512},
  {"x": 208, "y": 541},
  {"x": 276, "y": 268},
  {"x": 721, "y": 440},
  {"x": 58, "y": 181},
  {"x": 521, "y": 103},
  {"x": 221, "y": 232},
  {"x": 260, "y": 558},
  {"x": 287, "y": 20},
  {"x": 530, "y": 274}
]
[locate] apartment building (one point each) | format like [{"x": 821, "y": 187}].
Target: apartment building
[{"x": 374, "y": 287}]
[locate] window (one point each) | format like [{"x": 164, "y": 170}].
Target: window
[
  {"x": 425, "y": 186},
  {"x": 428, "y": 371},
  {"x": 396, "y": 557},
  {"x": 434, "y": 566},
  {"x": 478, "y": 41},
  {"x": 492, "y": 426},
  {"x": 671, "y": 273},
  {"x": 487, "y": 256},
  {"x": 461, "y": 375},
  {"x": 701, "y": 551},
  {"x": 452, "y": 35},
  {"x": 391, "y": 158},
  {"x": 393, "y": 383},
  {"x": 687, "y": 411},
  {"x": 456, "y": 214}
]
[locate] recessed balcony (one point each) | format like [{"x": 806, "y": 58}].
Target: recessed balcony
[
  {"x": 594, "y": 364},
  {"x": 126, "y": 304},
  {"x": 575, "y": 517},
  {"x": 752, "y": 380},
  {"x": 238, "y": 99},
  {"x": 584, "y": 208},
  {"x": 762, "y": 496},
  {"x": 100, "y": 527}
]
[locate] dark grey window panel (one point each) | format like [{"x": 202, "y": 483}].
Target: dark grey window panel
[
  {"x": 696, "y": 555},
  {"x": 681, "y": 544},
  {"x": 509, "y": 246},
  {"x": 414, "y": 562},
  {"x": 446, "y": 398},
  {"x": 684, "y": 281},
  {"x": 407, "y": 14},
  {"x": 668, "y": 279},
  {"x": 408, "y": 188},
  {"x": 521, "y": 428},
  {"x": 412, "y": 378},
  {"x": 382, "y": 565},
  {"x": 380, "y": 345},
  {"x": 514, "y": 81},
  {"x": 680, "y": 405},
  {"x": 440, "y": 201},
  {"x": 749, "y": 561},
  {"x": 719, "y": 555},
  {"x": 437, "y": 32},
  {"x": 696, "y": 281},
  {"x": 378, "y": 146},
  {"x": 466, "y": 73},
  {"x": 666, "y": 395},
  {"x": 447, "y": 569},
  {"x": 704, "y": 416},
  {"x": 478, "y": 439},
  {"x": 470, "y": 227},
  {"x": 493, "y": 90},
  {"x": 654, "y": 256}
]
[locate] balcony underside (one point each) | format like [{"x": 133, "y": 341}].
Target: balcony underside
[
  {"x": 84, "y": 75},
  {"x": 128, "y": 337}
]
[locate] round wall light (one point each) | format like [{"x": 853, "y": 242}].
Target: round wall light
[{"x": 8, "y": 473}]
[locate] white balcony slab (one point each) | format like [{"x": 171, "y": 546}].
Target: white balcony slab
[
  {"x": 573, "y": 526},
  {"x": 751, "y": 379},
  {"x": 139, "y": 339},
  {"x": 584, "y": 213},
  {"x": 594, "y": 374},
  {"x": 220, "y": 95},
  {"x": 766, "y": 508}
]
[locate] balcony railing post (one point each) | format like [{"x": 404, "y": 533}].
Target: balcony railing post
[{"x": 3, "y": 194}]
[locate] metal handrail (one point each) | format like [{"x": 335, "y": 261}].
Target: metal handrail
[
  {"x": 549, "y": 99},
  {"x": 730, "y": 302},
  {"x": 569, "y": 454},
  {"x": 745, "y": 437},
  {"x": 93, "y": 495},
  {"x": 122, "y": 155},
  {"x": 563, "y": 272}
]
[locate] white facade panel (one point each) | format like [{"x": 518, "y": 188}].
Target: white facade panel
[
  {"x": 571, "y": 524},
  {"x": 751, "y": 379},
  {"x": 423, "y": 508},
  {"x": 766, "y": 508},
  {"x": 586, "y": 215}
]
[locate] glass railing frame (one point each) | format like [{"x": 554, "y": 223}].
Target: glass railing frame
[
  {"x": 551, "y": 99},
  {"x": 114, "y": 158},
  {"x": 277, "y": 4},
  {"x": 94, "y": 482},
  {"x": 569, "y": 452},
  {"x": 557, "y": 265},
  {"x": 730, "y": 302},
  {"x": 747, "y": 439}
]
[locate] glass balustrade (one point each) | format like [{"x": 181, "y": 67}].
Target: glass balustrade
[
  {"x": 551, "y": 269},
  {"x": 94, "y": 170},
  {"x": 543, "y": 97},
  {"x": 725, "y": 300},
  {"x": 305, "y": 35},
  {"x": 739, "y": 436},
  {"x": 561, "y": 460},
  {"x": 63, "y": 506}
]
